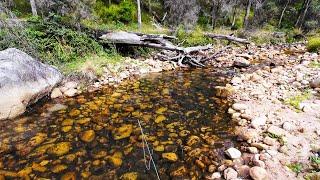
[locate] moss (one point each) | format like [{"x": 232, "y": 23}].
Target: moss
[
  {"x": 296, "y": 100},
  {"x": 313, "y": 44},
  {"x": 295, "y": 167},
  {"x": 315, "y": 64}
]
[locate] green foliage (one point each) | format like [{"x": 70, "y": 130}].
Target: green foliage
[
  {"x": 315, "y": 64},
  {"x": 295, "y": 167},
  {"x": 194, "y": 38},
  {"x": 58, "y": 44},
  {"x": 124, "y": 12},
  {"x": 313, "y": 44},
  {"x": 92, "y": 62},
  {"x": 296, "y": 100},
  {"x": 315, "y": 160}
]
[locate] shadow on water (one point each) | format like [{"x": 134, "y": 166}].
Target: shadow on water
[{"x": 96, "y": 135}]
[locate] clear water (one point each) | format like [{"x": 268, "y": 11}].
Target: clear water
[{"x": 179, "y": 113}]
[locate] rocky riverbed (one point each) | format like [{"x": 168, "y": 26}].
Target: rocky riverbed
[
  {"x": 277, "y": 109},
  {"x": 271, "y": 130}
]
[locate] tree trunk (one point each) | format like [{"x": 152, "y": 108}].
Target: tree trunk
[
  {"x": 282, "y": 13},
  {"x": 33, "y": 7},
  {"x": 246, "y": 17},
  {"x": 149, "y": 6},
  {"x": 304, "y": 13},
  {"x": 139, "y": 14},
  {"x": 234, "y": 16}
]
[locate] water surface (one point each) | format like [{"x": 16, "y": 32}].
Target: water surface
[{"x": 97, "y": 135}]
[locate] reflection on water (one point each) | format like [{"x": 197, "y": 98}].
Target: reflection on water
[{"x": 97, "y": 135}]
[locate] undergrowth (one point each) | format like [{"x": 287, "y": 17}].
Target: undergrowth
[
  {"x": 295, "y": 167},
  {"x": 313, "y": 44},
  {"x": 296, "y": 100}
]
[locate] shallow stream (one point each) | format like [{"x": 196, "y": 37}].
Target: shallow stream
[{"x": 97, "y": 135}]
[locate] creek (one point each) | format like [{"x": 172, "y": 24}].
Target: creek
[{"x": 97, "y": 136}]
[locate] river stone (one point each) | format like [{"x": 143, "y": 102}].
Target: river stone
[
  {"x": 230, "y": 173},
  {"x": 71, "y": 92},
  {"x": 57, "y": 107},
  {"x": 248, "y": 134},
  {"x": 244, "y": 171},
  {"x": 241, "y": 62},
  {"x": 269, "y": 141},
  {"x": 23, "y": 81},
  {"x": 56, "y": 92},
  {"x": 276, "y": 131},
  {"x": 258, "y": 173},
  {"x": 239, "y": 106},
  {"x": 233, "y": 153},
  {"x": 88, "y": 136},
  {"x": 216, "y": 175},
  {"x": 258, "y": 121},
  {"x": 315, "y": 83},
  {"x": 288, "y": 126}
]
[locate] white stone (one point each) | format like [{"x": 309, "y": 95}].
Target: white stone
[
  {"x": 253, "y": 150},
  {"x": 57, "y": 107},
  {"x": 269, "y": 141},
  {"x": 258, "y": 173},
  {"x": 241, "y": 62},
  {"x": 288, "y": 126},
  {"x": 239, "y": 106},
  {"x": 233, "y": 153},
  {"x": 258, "y": 121},
  {"x": 23, "y": 81},
  {"x": 56, "y": 92},
  {"x": 216, "y": 175},
  {"x": 70, "y": 85},
  {"x": 230, "y": 173},
  {"x": 276, "y": 131},
  {"x": 71, "y": 92}
]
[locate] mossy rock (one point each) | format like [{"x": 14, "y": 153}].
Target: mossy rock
[
  {"x": 60, "y": 148},
  {"x": 313, "y": 44},
  {"x": 123, "y": 132}
]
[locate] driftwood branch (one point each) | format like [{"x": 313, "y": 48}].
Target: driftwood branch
[
  {"x": 183, "y": 55},
  {"x": 227, "y": 37}
]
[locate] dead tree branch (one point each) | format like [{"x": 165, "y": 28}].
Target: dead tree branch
[{"x": 228, "y": 38}]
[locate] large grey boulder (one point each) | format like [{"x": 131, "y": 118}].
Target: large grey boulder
[{"x": 23, "y": 81}]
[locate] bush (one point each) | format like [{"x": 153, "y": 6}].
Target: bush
[
  {"x": 59, "y": 44},
  {"x": 124, "y": 12},
  {"x": 193, "y": 38},
  {"x": 313, "y": 44}
]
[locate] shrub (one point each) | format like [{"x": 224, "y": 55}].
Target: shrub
[
  {"x": 193, "y": 38},
  {"x": 313, "y": 44},
  {"x": 124, "y": 12},
  {"x": 56, "y": 43}
]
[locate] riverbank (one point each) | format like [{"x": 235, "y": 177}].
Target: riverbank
[
  {"x": 276, "y": 94},
  {"x": 277, "y": 109},
  {"x": 112, "y": 75}
]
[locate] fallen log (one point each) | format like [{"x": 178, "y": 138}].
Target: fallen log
[
  {"x": 182, "y": 56},
  {"x": 228, "y": 38}
]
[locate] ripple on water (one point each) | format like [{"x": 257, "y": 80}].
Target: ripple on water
[{"x": 98, "y": 136}]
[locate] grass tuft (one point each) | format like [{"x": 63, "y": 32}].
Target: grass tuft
[
  {"x": 296, "y": 100},
  {"x": 313, "y": 44}
]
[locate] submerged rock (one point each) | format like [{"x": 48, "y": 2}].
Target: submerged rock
[
  {"x": 129, "y": 176},
  {"x": 170, "y": 156},
  {"x": 88, "y": 136},
  {"x": 60, "y": 148},
  {"x": 123, "y": 132},
  {"x": 23, "y": 81}
]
